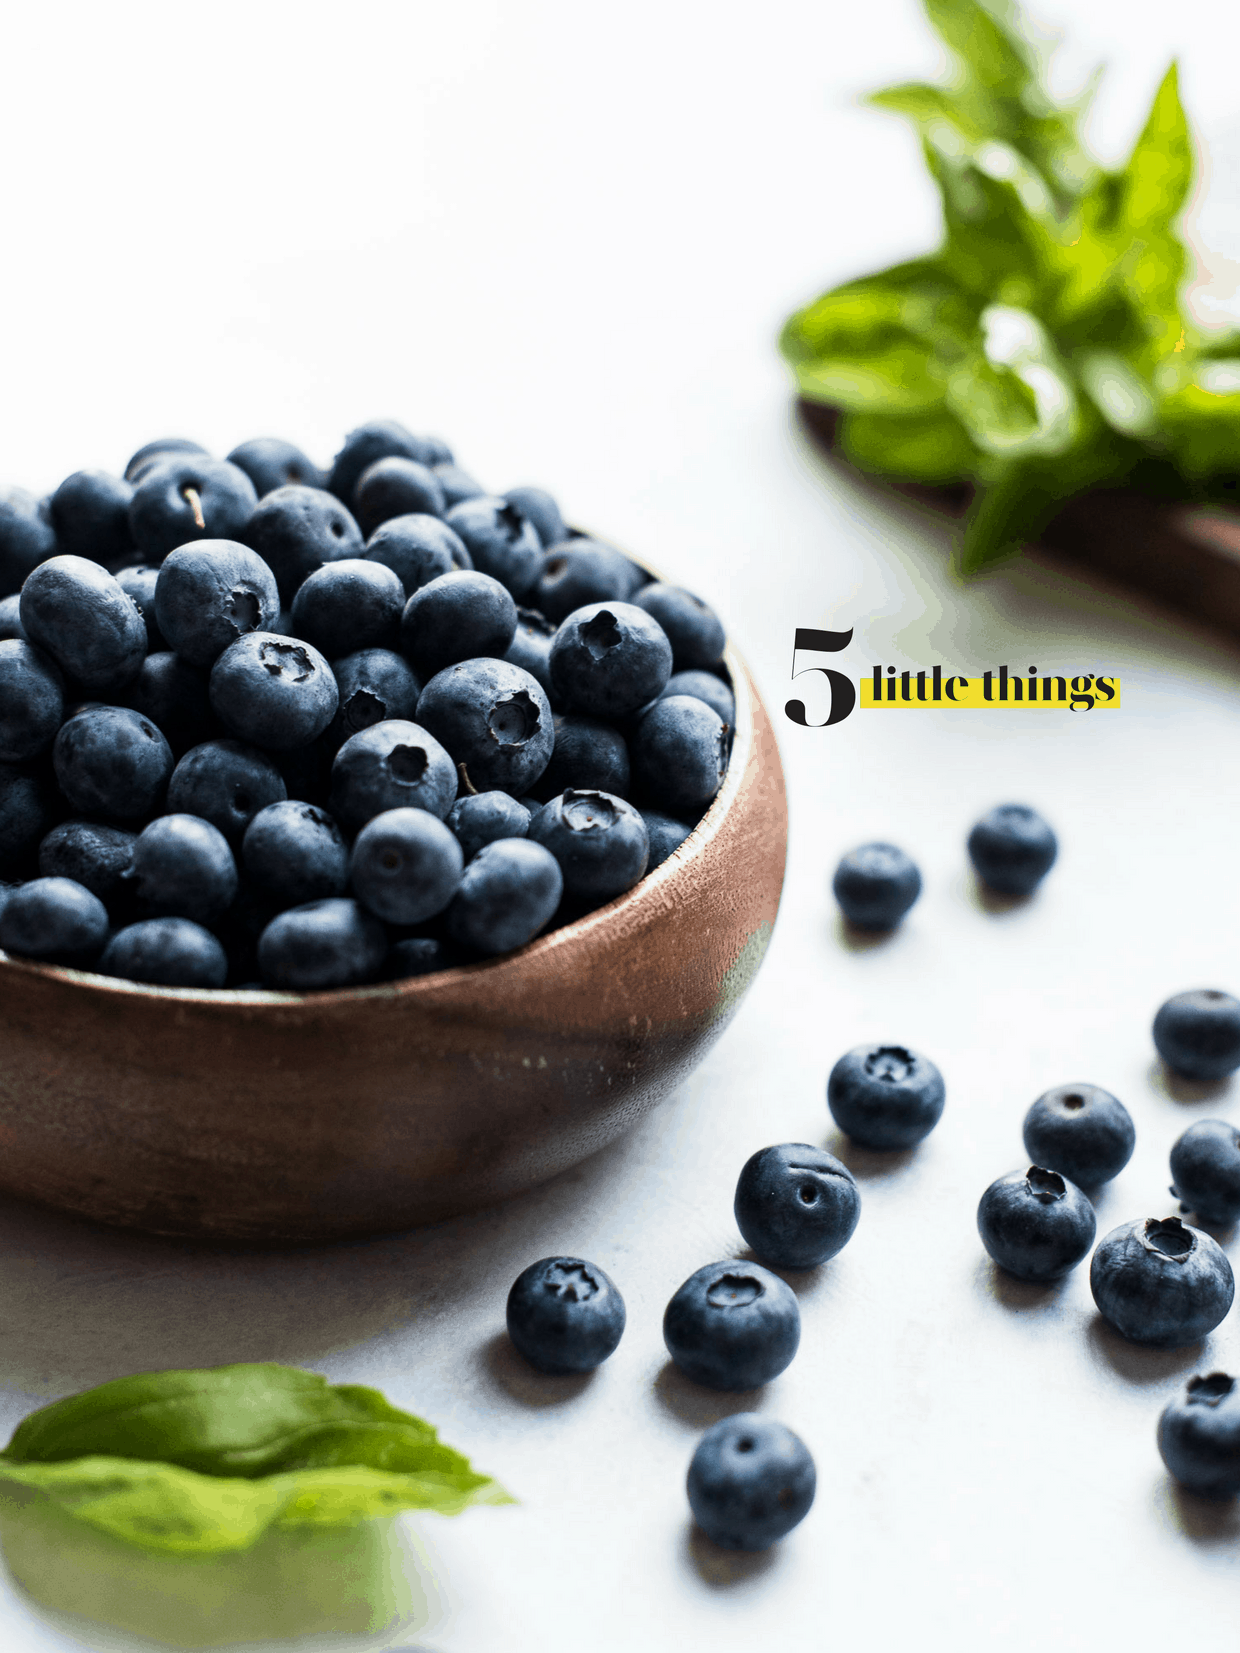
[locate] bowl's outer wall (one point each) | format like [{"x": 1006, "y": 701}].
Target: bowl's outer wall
[{"x": 269, "y": 1117}]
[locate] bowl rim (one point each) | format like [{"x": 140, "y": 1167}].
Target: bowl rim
[{"x": 647, "y": 892}]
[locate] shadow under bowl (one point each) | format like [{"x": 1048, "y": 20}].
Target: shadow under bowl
[{"x": 280, "y": 1117}]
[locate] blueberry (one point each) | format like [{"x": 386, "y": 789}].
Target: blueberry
[
  {"x": 417, "y": 956},
  {"x": 732, "y": 1325},
  {"x": 418, "y": 549},
  {"x": 455, "y": 617},
  {"x": 226, "y": 783},
  {"x": 704, "y": 686},
  {"x": 182, "y": 867},
  {"x": 875, "y": 886},
  {"x": 1205, "y": 1167},
  {"x": 1082, "y": 1131},
  {"x": 324, "y": 944},
  {"x": 54, "y": 919},
  {"x": 750, "y": 1482},
  {"x": 32, "y": 701},
  {"x": 11, "y": 618},
  {"x": 298, "y": 530},
  {"x": 692, "y": 627},
  {"x": 376, "y": 439},
  {"x": 393, "y": 765},
  {"x": 396, "y": 487},
  {"x": 680, "y": 752},
  {"x": 1161, "y": 1283},
  {"x": 542, "y": 511},
  {"x": 27, "y": 537},
  {"x": 79, "y": 614},
  {"x": 796, "y": 1205},
  {"x": 885, "y": 1096},
  {"x": 1035, "y": 1224},
  {"x": 294, "y": 853},
  {"x": 531, "y": 646},
  {"x": 1012, "y": 849},
  {"x": 153, "y": 452},
  {"x": 90, "y": 515},
  {"x": 184, "y": 498},
  {"x": 405, "y": 866},
  {"x": 26, "y": 804},
  {"x": 166, "y": 952},
  {"x": 501, "y": 541},
  {"x": 600, "y": 842},
  {"x": 94, "y": 856},
  {"x": 494, "y": 718},
  {"x": 665, "y": 835},
  {"x": 1198, "y": 1034},
  {"x": 508, "y": 893},
  {"x": 482, "y": 818},
  {"x": 584, "y": 571},
  {"x": 588, "y": 755},
  {"x": 348, "y": 605},
  {"x": 112, "y": 763},
  {"x": 272, "y": 691},
  {"x": 565, "y": 1315},
  {"x": 608, "y": 659},
  {"x": 1199, "y": 1435},
  {"x": 138, "y": 583},
  {"x": 173, "y": 695},
  {"x": 457, "y": 484},
  {"x": 373, "y": 684},
  {"x": 210, "y": 594},
  {"x": 271, "y": 463}
]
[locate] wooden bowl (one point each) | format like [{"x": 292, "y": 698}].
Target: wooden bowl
[{"x": 292, "y": 1117}]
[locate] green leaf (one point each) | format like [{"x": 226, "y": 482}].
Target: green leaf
[
  {"x": 197, "y": 1461},
  {"x": 1201, "y": 416},
  {"x": 988, "y": 49},
  {"x": 1160, "y": 169},
  {"x": 931, "y": 449}
]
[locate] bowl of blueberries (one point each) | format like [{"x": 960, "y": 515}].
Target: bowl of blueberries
[{"x": 372, "y": 847}]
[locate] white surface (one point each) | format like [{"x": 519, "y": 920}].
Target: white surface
[{"x": 564, "y": 237}]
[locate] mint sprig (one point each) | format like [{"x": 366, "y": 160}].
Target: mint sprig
[{"x": 1043, "y": 350}]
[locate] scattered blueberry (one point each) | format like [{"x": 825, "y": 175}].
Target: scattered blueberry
[
  {"x": 588, "y": 755},
  {"x": 138, "y": 583},
  {"x": 680, "y": 752},
  {"x": 112, "y": 763},
  {"x": 166, "y": 952},
  {"x": 885, "y": 1096},
  {"x": 875, "y": 886},
  {"x": 377, "y": 439},
  {"x": 396, "y": 487},
  {"x": 295, "y": 853},
  {"x": 271, "y": 463},
  {"x": 393, "y": 765},
  {"x": 1199, "y": 1435},
  {"x": 173, "y": 695},
  {"x": 153, "y": 452},
  {"x": 1198, "y": 1034},
  {"x": 531, "y": 646},
  {"x": 750, "y": 1482},
  {"x": 1205, "y": 1167},
  {"x": 227, "y": 783},
  {"x": 94, "y": 856},
  {"x": 581, "y": 572},
  {"x": 182, "y": 867},
  {"x": 209, "y": 594},
  {"x": 25, "y": 814},
  {"x": 501, "y": 541},
  {"x": 704, "y": 686},
  {"x": 542, "y": 511},
  {"x": 608, "y": 659},
  {"x": 732, "y": 1325},
  {"x": 1036, "y": 1224},
  {"x": 27, "y": 537},
  {"x": 273, "y": 692},
  {"x": 565, "y": 1315},
  {"x": 455, "y": 617},
  {"x": 796, "y": 1205},
  {"x": 32, "y": 701},
  {"x": 494, "y": 718},
  {"x": 348, "y": 605},
  {"x": 1161, "y": 1283},
  {"x": 298, "y": 530},
  {"x": 405, "y": 866},
  {"x": 665, "y": 835},
  {"x": 80, "y": 615},
  {"x": 508, "y": 893},
  {"x": 418, "y": 549},
  {"x": 457, "y": 484},
  {"x": 482, "y": 818},
  {"x": 1082, "y": 1131},
  {"x": 11, "y": 618},
  {"x": 54, "y": 919},
  {"x": 90, "y": 515},
  {"x": 692, "y": 627},
  {"x": 1012, "y": 849},
  {"x": 373, "y": 685},
  {"x": 600, "y": 842},
  {"x": 324, "y": 944},
  {"x": 189, "y": 497}
]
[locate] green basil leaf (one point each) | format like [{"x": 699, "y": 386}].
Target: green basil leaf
[
  {"x": 933, "y": 448},
  {"x": 1123, "y": 398},
  {"x": 1201, "y": 417}
]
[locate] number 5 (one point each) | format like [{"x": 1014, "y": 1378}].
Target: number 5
[{"x": 843, "y": 691}]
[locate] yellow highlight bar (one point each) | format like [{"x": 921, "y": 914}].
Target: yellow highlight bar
[{"x": 993, "y": 690}]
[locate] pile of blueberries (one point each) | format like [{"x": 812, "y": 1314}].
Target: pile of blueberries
[
  {"x": 262, "y": 726},
  {"x": 735, "y": 1325}
]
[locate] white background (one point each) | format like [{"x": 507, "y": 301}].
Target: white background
[{"x": 564, "y": 236}]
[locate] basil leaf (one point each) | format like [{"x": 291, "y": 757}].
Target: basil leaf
[
  {"x": 1202, "y": 419},
  {"x": 933, "y": 448}
]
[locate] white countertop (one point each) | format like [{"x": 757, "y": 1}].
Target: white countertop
[{"x": 564, "y": 238}]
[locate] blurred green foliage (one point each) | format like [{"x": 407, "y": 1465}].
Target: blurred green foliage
[{"x": 1043, "y": 349}]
